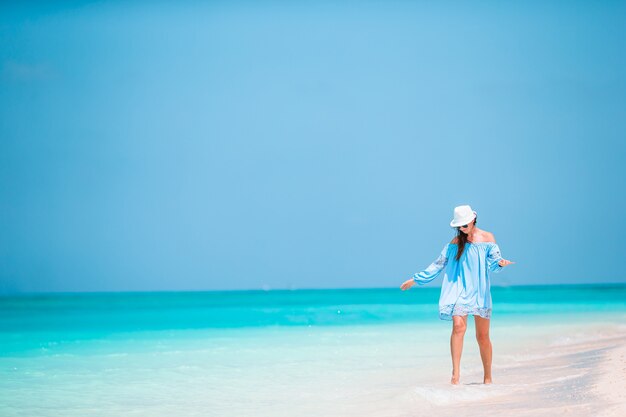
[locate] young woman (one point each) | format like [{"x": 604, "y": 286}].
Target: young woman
[{"x": 466, "y": 262}]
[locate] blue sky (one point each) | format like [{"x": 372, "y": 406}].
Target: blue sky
[{"x": 248, "y": 145}]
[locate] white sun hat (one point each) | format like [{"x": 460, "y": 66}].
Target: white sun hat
[{"x": 462, "y": 216}]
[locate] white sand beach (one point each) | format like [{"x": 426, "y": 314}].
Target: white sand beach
[
  {"x": 581, "y": 376},
  {"x": 611, "y": 385}
]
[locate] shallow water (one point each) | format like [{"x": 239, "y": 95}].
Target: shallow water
[{"x": 287, "y": 353}]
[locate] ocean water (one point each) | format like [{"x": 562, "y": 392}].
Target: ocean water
[{"x": 345, "y": 352}]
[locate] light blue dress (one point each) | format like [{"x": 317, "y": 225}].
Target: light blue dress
[{"x": 465, "y": 288}]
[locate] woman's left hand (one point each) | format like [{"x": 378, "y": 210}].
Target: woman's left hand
[{"x": 504, "y": 262}]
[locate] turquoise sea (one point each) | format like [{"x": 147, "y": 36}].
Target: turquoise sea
[{"x": 243, "y": 353}]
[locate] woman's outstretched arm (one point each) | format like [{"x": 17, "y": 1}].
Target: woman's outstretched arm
[{"x": 430, "y": 273}]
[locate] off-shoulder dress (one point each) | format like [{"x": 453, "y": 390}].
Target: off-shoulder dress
[{"x": 466, "y": 286}]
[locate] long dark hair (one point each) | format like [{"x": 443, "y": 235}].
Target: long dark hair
[{"x": 462, "y": 240}]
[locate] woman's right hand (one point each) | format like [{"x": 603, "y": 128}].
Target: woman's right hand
[{"x": 407, "y": 284}]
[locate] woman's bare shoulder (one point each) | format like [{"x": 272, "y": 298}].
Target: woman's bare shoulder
[
  {"x": 488, "y": 237},
  {"x": 484, "y": 236}
]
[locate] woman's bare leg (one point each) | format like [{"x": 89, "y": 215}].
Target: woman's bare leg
[
  {"x": 482, "y": 336},
  {"x": 459, "y": 324}
]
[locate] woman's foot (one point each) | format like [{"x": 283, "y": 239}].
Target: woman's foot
[
  {"x": 455, "y": 380},
  {"x": 487, "y": 380}
]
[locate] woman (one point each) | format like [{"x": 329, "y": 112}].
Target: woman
[{"x": 467, "y": 262}]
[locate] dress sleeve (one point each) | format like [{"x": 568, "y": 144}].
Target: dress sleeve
[
  {"x": 433, "y": 269},
  {"x": 493, "y": 257}
]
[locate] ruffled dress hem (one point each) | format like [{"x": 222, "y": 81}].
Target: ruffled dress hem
[{"x": 446, "y": 312}]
